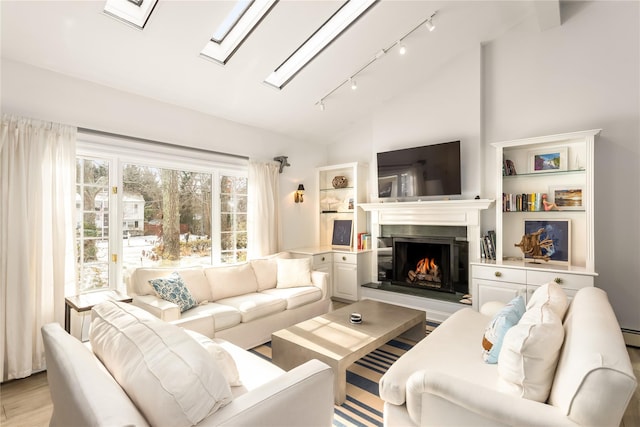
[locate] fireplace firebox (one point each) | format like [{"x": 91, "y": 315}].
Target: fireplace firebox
[{"x": 435, "y": 263}]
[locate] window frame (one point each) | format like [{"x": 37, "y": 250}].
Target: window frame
[{"x": 120, "y": 150}]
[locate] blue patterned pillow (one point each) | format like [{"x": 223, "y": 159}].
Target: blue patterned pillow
[
  {"x": 173, "y": 289},
  {"x": 503, "y": 320}
]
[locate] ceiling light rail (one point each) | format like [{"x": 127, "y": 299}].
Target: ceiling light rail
[{"x": 402, "y": 49}]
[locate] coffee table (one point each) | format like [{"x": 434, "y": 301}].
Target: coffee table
[{"x": 333, "y": 339}]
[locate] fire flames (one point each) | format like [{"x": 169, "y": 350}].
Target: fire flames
[{"x": 426, "y": 273}]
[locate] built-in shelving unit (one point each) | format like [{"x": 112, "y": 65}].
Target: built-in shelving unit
[{"x": 559, "y": 170}]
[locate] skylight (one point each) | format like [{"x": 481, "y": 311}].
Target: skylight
[
  {"x": 133, "y": 12},
  {"x": 331, "y": 29},
  {"x": 244, "y": 17}
]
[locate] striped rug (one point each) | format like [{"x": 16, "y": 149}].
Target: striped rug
[{"x": 363, "y": 406}]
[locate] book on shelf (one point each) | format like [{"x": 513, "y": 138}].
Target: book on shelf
[
  {"x": 525, "y": 202},
  {"x": 364, "y": 241}
]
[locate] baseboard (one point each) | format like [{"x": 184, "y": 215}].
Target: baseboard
[{"x": 631, "y": 337}]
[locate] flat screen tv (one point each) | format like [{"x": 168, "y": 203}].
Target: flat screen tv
[{"x": 427, "y": 171}]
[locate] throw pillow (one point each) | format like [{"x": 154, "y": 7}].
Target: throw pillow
[
  {"x": 506, "y": 318},
  {"x": 221, "y": 356},
  {"x": 294, "y": 272},
  {"x": 166, "y": 373},
  {"x": 529, "y": 355},
  {"x": 552, "y": 294},
  {"x": 173, "y": 289}
]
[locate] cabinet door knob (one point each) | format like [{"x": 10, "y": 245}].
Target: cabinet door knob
[
  {"x": 344, "y": 258},
  {"x": 498, "y": 274},
  {"x": 322, "y": 258},
  {"x": 557, "y": 280}
]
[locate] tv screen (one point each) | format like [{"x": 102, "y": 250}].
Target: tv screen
[{"x": 430, "y": 170}]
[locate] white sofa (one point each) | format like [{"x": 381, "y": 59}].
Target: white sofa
[
  {"x": 444, "y": 381},
  {"x": 138, "y": 370},
  {"x": 241, "y": 303}
]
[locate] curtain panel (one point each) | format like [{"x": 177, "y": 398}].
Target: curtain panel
[
  {"x": 262, "y": 209},
  {"x": 37, "y": 222}
]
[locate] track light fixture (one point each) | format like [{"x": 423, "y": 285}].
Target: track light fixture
[{"x": 402, "y": 49}]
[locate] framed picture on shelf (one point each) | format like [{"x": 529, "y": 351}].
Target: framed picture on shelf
[
  {"x": 548, "y": 160},
  {"x": 555, "y": 239},
  {"x": 342, "y": 233},
  {"x": 567, "y": 197}
]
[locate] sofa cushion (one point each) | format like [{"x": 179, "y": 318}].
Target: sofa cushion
[
  {"x": 266, "y": 270},
  {"x": 552, "y": 294},
  {"x": 294, "y": 272},
  {"x": 173, "y": 289},
  {"x": 224, "y": 316},
  {"x": 166, "y": 373},
  {"x": 256, "y": 305},
  {"x": 221, "y": 356},
  {"x": 297, "y": 297},
  {"x": 507, "y": 317},
  {"x": 193, "y": 278},
  {"x": 529, "y": 355},
  {"x": 231, "y": 280}
]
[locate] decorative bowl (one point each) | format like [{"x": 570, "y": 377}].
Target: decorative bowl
[{"x": 340, "y": 181}]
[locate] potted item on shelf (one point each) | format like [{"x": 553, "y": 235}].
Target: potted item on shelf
[{"x": 340, "y": 181}]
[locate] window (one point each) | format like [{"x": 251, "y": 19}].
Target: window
[{"x": 141, "y": 206}]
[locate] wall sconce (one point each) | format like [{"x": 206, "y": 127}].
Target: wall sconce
[{"x": 297, "y": 196}]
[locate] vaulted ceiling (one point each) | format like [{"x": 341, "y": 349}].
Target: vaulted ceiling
[{"x": 163, "y": 60}]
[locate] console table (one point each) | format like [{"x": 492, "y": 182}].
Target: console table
[{"x": 85, "y": 302}]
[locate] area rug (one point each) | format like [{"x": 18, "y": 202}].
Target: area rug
[{"x": 363, "y": 407}]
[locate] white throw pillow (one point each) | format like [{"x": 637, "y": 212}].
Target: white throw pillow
[
  {"x": 167, "y": 374},
  {"x": 552, "y": 294},
  {"x": 221, "y": 356},
  {"x": 529, "y": 354},
  {"x": 294, "y": 272}
]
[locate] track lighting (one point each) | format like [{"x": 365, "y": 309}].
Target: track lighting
[
  {"x": 429, "y": 23},
  {"x": 402, "y": 50}
]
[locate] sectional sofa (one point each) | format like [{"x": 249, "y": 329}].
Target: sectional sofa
[{"x": 241, "y": 303}]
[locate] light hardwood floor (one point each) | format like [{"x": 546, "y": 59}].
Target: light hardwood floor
[{"x": 26, "y": 402}]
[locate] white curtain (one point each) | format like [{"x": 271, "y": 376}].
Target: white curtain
[
  {"x": 37, "y": 189},
  {"x": 262, "y": 209}
]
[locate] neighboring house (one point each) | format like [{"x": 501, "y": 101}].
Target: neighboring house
[{"x": 133, "y": 212}]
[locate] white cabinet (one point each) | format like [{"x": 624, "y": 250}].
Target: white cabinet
[
  {"x": 347, "y": 269},
  {"x": 350, "y": 270},
  {"x": 504, "y": 281}
]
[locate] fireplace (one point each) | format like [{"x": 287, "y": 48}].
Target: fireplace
[{"x": 437, "y": 263}]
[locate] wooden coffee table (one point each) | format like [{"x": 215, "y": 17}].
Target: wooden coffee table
[{"x": 333, "y": 339}]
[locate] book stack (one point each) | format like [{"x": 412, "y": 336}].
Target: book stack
[
  {"x": 488, "y": 245},
  {"x": 364, "y": 241},
  {"x": 525, "y": 202}
]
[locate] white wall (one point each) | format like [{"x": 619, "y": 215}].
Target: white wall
[
  {"x": 582, "y": 75},
  {"x": 33, "y": 92},
  {"x": 445, "y": 108}
]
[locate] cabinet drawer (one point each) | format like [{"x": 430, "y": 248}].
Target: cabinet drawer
[
  {"x": 499, "y": 274},
  {"x": 569, "y": 281},
  {"x": 321, "y": 259},
  {"x": 345, "y": 258}
]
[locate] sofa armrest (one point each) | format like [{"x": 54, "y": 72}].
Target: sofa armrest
[
  {"x": 435, "y": 398},
  {"x": 160, "y": 308},
  {"x": 300, "y": 397},
  {"x": 321, "y": 280}
]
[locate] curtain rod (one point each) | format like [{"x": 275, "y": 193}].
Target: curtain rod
[{"x": 151, "y": 141}]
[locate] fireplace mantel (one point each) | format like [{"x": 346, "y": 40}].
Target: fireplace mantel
[{"x": 436, "y": 212}]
